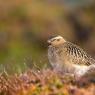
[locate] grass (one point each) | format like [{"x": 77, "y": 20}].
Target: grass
[{"x": 44, "y": 82}]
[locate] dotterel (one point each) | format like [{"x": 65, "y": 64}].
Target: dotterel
[{"x": 67, "y": 57}]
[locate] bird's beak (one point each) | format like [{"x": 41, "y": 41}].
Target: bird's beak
[{"x": 49, "y": 42}]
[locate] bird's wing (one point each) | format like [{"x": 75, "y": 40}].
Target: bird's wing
[{"x": 78, "y": 55}]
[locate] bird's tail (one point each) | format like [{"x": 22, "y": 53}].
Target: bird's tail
[{"x": 90, "y": 74}]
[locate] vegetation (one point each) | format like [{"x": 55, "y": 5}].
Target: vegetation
[{"x": 45, "y": 82}]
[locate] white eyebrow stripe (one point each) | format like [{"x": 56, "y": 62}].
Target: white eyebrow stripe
[{"x": 58, "y": 37}]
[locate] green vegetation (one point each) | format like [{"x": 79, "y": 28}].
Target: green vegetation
[{"x": 44, "y": 82}]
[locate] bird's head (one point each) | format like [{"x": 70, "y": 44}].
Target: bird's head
[{"x": 55, "y": 41}]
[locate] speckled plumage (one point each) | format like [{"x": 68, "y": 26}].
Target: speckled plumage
[{"x": 68, "y": 57}]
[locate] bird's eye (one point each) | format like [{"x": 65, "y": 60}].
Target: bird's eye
[{"x": 58, "y": 39}]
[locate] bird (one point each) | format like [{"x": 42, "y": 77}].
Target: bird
[{"x": 66, "y": 57}]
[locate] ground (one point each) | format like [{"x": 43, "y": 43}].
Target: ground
[{"x": 44, "y": 82}]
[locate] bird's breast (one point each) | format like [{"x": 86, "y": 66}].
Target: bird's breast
[{"x": 54, "y": 57}]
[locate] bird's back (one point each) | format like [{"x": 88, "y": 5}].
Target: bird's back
[{"x": 77, "y": 55}]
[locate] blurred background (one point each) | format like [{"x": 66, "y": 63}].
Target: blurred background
[{"x": 25, "y": 26}]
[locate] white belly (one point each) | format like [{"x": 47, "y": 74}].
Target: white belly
[{"x": 80, "y": 70}]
